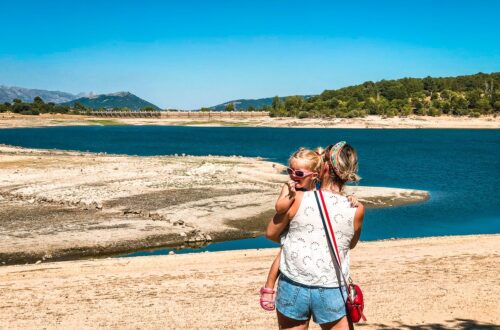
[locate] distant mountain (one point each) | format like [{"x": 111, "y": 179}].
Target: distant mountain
[
  {"x": 8, "y": 94},
  {"x": 113, "y": 100},
  {"x": 244, "y": 104}
]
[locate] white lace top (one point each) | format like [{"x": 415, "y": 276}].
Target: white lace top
[{"x": 306, "y": 258}]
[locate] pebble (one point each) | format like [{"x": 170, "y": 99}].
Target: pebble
[{"x": 171, "y": 253}]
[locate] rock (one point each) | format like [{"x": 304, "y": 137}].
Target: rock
[
  {"x": 155, "y": 216},
  {"x": 183, "y": 234},
  {"x": 129, "y": 211},
  {"x": 208, "y": 237},
  {"x": 179, "y": 222},
  {"x": 171, "y": 253},
  {"x": 38, "y": 262}
]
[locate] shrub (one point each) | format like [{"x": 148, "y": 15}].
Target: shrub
[
  {"x": 303, "y": 114},
  {"x": 434, "y": 112}
]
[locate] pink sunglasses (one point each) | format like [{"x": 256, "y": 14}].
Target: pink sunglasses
[{"x": 298, "y": 173}]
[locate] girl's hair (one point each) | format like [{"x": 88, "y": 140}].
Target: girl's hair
[
  {"x": 342, "y": 161},
  {"x": 313, "y": 158}
]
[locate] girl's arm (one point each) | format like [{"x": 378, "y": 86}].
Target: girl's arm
[
  {"x": 280, "y": 221},
  {"x": 358, "y": 224}
]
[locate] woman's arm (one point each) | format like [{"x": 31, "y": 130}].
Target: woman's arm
[
  {"x": 276, "y": 226},
  {"x": 358, "y": 224}
]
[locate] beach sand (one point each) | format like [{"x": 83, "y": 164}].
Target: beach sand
[
  {"x": 59, "y": 205},
  {"x": 428, "y": 283},
  {"x": 10, "y": 120}
]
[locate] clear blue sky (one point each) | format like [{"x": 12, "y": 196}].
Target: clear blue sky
[{"x": 188, "y": 54}]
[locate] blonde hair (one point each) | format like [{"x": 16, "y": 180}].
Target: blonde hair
[
  {"x": 312, "y": 158},
  {"x": 346, "y": 168}
]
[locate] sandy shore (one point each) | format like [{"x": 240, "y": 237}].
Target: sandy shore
[
  {"x": 486, "y": 122},
  {"x": 430, "y": 283},
  {"x": 58, "y": 205}
]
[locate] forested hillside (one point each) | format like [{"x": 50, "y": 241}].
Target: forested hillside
[{"x": 471, "y": 95}]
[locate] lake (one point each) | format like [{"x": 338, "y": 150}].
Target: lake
[{"x": 460, "y": 168}]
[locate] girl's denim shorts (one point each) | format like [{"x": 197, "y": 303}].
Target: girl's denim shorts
[{"x": 299, "y": 302}]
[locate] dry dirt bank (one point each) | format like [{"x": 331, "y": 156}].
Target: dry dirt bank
[
  {"x": 485, "y": 122},
  {"x": 429, "y": 283},
  {"x": 57, "y": 205}
]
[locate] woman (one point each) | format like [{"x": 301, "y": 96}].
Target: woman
[{"x": 309, "y": 283}]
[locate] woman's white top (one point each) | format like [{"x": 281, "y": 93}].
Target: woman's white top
[{"x": 306, "y": 257}]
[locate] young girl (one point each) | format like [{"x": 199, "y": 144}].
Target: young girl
[{"x": 304, "y": 168}]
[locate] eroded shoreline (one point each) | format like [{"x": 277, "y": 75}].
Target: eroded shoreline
[
  {"x": 60, "y": 205},
  {"x": 11, "y": 120}
]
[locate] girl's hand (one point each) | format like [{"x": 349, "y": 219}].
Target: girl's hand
[
  {"x": 291, "y": 189},
  {"x": 353, "y": 200}
]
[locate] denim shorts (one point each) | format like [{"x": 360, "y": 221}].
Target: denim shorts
[{"x": 299, "y": 302}]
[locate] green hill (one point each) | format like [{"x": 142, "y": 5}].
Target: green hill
[
  {"x": 111, "y": 101},
  {"x": 245, "y": 104}
]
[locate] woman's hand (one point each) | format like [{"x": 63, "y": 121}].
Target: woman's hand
[
  {"x": 358, "y": 224},
  {"x": 353, "y": 200}
]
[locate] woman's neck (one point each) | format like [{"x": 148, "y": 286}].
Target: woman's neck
[{"x": 333, "y": 187}]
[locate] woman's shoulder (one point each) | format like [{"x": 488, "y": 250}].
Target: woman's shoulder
[{"x": 336, "y": 198}]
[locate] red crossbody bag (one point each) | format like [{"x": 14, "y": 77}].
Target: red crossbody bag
[{"x": 354, "y": 302}]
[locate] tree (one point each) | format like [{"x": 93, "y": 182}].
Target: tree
[
  {"x": 79, "y": 107},
  {"x": 278, "y": 108},
  {"x": 229, "y": 107},
  {"x": 293, "y": 104},
  {"x": 148, "y": 108},
  {"x": 38, "y": 100}
]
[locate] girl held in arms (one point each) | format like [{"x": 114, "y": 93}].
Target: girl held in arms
[{"x": 304, "y": 169}]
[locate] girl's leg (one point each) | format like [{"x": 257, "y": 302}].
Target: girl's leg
[
  {"x": 274, "y": 272},
  {"x": 342, "y": 324},
  {"x": 267, "y": 299}
]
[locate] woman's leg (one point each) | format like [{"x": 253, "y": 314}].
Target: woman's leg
[
  {"x": 342, "y": 324},
  {"x": 291, "y": 324}
]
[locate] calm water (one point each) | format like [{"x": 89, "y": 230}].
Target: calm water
[{"x": 460, "y": 168}]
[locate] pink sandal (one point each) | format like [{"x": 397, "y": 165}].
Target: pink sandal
[{"x": 266, "y": 304}]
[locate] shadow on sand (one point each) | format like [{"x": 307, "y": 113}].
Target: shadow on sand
[{"x": 448, "y": 325}]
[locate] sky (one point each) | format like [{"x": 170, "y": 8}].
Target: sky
[{"x": 189, "y": 54}]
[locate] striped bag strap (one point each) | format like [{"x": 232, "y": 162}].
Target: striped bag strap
[{"x": 330, "y": 234}]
